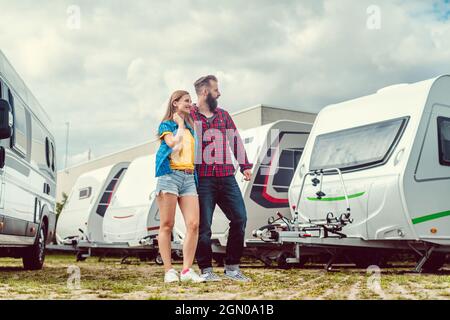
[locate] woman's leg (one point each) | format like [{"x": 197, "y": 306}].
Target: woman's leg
[
  {"x": 167, "y": 205},
  {"x": 191, "y": 212}
]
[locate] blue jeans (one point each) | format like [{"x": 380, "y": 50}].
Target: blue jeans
[{"x": 225, "y": 192}]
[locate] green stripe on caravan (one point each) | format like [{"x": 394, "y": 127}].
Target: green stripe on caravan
[
  {"x": 352, "y": 196},
  {"x": 429, "y": 217}
]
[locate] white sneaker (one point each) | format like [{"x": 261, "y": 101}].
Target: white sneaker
[
  {"x": 171, "y": 276},
  {"x": 191, "y": 276}
]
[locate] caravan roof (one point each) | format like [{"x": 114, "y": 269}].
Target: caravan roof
[{"x": 388, "y": 103}]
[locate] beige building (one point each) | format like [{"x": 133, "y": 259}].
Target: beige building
[{"x": 245, "y": 119}]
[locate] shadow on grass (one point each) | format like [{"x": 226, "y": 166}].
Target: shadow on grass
[{"x": 12, "y": 269}]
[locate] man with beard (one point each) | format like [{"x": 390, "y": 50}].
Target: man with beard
[{"x": 219, "y": 142}]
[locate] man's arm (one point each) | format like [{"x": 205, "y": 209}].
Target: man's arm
[{"x": 236, "y": 144}]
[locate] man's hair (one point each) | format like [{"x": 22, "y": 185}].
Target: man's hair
[{"x": 203, "y": 82}]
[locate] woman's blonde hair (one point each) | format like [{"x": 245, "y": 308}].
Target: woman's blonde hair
[{"x": 171, "y": 109}]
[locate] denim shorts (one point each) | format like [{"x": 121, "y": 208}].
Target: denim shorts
[{"x": 178, "y": 183}]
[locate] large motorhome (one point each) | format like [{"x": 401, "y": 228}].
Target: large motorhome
[{"x": 27, "y": 172}]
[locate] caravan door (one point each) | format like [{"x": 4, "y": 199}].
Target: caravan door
[{"x": 427, "y": 196}]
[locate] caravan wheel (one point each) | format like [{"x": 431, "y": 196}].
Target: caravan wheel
[
  {"x": 281, "y": 261},
  {"x": 81, "y": 257},
  {"x": 34, "y": 256},
  {"x": 159, "y": 260}
]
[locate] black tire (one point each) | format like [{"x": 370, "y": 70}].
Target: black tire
[
  {"x": 435, "y": 262},
  {"x": 158, "y": 260},
  {"x": 34, "y": 256},
  {"x": 177, "y": 255},
  {"x": 281, "y": 261},
  {"x": 80, "y": 257}
]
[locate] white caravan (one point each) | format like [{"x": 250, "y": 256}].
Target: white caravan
[
  {"x": 133, "y": 214},
  {"x": 385, "y": 159},
  {"x": 83, "y": 214},
  {"x": 275, "y": 150},
  {"x": 27, "y": 172}
]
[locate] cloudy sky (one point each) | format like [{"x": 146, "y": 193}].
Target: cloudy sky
[{"x": 108, "y": 66}]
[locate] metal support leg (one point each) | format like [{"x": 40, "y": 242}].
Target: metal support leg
[
  {"x": 423, "y": 260},
  {"x": 297, "y": 255},
  {"x": 330, "y": 262},
  {"x": 124, "y": 260}
]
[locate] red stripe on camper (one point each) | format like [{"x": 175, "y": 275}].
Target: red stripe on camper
[
  {"x": 267, "y": 196},
  {"x": 124, "y": 217},
  {"x": 152, "y": 228}
]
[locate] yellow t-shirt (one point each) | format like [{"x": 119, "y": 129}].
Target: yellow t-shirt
[{"x": 183, "y": 159}]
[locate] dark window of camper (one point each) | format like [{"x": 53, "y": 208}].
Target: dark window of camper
[
  {"x": 444, "y": 140},
  {"x": 358, "y": 147},
  {"x": 10, "y": 99},
  {"x": 288, "y": 163},
  {"x": 107, "y": 195},
  {"x": 1, "y": 89},
  {"x": 85, "y": 193},
  {"x": 47, "y": 151},
  {"x": 287, "y": 159},
  {"x": 53, "y": 157}
]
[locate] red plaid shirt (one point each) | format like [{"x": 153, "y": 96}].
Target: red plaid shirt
[{"x": 217, "y": 138}]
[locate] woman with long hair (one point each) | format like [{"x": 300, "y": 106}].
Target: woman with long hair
[{"x": 176, "y": 184}]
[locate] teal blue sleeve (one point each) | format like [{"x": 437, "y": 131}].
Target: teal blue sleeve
[{"x": 164, "y": 127}]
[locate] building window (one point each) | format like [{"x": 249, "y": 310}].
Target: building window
[{"x": 444, "y": 140}]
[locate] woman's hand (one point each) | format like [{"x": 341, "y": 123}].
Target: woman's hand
[{"x": 178, "y": 120}]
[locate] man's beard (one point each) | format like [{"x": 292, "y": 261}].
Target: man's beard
[{"x": 212, "y": 103}]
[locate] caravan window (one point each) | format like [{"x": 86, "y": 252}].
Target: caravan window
[
  {"x": 85, "y": 193},
  {"x": 20, "y": 128},
  {"x": 444, "y": 140},
  {"x": 357, "y": 147},
  {"x": 53, "y": 157},
  {"x": 10, "y": 98}
]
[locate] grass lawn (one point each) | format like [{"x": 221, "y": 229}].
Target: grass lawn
[{"x": 109, "y": 279}]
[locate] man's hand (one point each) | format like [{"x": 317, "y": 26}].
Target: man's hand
[{"x": 247, "y": 175}]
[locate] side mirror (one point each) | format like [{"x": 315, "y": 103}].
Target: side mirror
[{"x": 5, "y": 127}]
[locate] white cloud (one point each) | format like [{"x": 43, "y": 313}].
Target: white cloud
[{"x": 112, "y": 78}]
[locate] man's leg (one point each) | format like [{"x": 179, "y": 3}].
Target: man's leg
[
  {"x": 207, "y": 199},
  {"x": 232, "y": 204}
]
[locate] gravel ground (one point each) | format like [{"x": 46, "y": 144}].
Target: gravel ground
[{"x": 109, "y": 279}]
